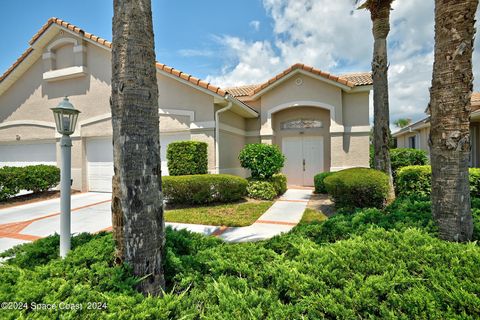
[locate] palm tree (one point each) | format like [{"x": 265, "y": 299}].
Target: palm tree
[
  {"x": 380, "y": 15},
  {"x": 402, "y": 122},
  {"x": 137, "y": 205},
  {"x": 452, "y": 83}
]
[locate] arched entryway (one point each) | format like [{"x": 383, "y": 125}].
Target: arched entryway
[{"x": 303, "y": 134}]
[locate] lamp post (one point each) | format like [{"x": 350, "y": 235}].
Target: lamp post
[{"x": 65, "y": 120}]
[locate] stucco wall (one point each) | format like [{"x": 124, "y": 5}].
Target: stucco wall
[
  {"x": 355, "y": 109},
  {"x": 309, "y": 90}
]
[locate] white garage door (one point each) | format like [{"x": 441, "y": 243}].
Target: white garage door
[
  {"x": 25, "y": 154},
  {"x": 100, "y": 159}
]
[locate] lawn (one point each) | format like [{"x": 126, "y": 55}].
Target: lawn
[
  {"x": 230, "y": 215},
  {"x": 312, "y": 215}
]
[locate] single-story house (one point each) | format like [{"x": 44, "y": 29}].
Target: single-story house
[
  {"x": 416, "y": 134},
  {"x": 319, "y": 120}
]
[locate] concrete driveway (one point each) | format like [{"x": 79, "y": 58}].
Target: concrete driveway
[{"x": 24, "y": 223}]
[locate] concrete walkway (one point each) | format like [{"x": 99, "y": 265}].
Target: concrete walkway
[
  {"x": 91, "y": 213},
  {"x": 281, "y": 217}
]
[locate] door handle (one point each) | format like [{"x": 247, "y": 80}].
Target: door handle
[{"x": 303, "y": 164}]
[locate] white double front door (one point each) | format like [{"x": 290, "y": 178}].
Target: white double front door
[{"x": 304, "y": 159}]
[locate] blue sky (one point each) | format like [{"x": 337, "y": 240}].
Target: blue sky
[
  {"x": 187, "y": 32},
  {"x": 234, "y": 42}
]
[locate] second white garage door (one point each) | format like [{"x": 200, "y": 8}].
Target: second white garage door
[
  {"x": 100, "y": 160},
  {"x": 25, "y": 154}
]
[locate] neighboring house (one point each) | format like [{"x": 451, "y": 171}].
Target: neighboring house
[
  {"x": 320, "y": 121},
  {"x": 416, "y": 135}
]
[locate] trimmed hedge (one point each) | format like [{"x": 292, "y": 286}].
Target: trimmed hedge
[
  {"x": 37, "y": 178},
  {"x": 319, "y": 183},
  {"x": 263, "y": 160},
  {"x": 358, "y": 188},
  {"x": 403, "y": 157},
  {"x": 187, "y": 158},
  {"x": 204, "y": 188},
  {"x": 417, "y": 180},
  {"x": 262, "y": 190}
]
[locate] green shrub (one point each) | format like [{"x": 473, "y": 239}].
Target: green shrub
[
  {"x": 358, "y": 188},
  {"x": 39, "y": 178},
  {"x": 9, "y": 181},
  {"x": 36, "y": 178},
  {"x": 263, "y": 190},
  {"x": 403, "y": 157},
  {"x": 279, "y": 182},
  {"x": 372, "y": 274},
  {"x": 417, "y": 180},
  {"x": 204, "y": 188},
  {"x": 414, "y": 180},
  {"x": 263, "y": 160},
  {"x": 319, "y": 183},
  {"x": 187, "y": 158}
]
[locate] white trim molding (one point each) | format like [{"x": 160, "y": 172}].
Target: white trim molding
[
  {"x": 28, "y": 123},
  {"x": 200, "y": 125},
  {"x": 65, "y": 73},
  {"x": 334, "y": 126},
  {"x": 62, "y": 41},
  {"x": 178, "y": 112}
]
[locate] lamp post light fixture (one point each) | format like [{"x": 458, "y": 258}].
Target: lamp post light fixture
[{"x": 65, "y": 120}]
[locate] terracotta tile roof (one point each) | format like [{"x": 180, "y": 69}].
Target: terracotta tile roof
[
  {"x": 107, "y": 44},
  {"x": 359, "y": 78},
  {"x": 192, "y": 79},
  {"x": 242, "y": 91},
  {"x": 351, "y": 80},
  {"x": 16, "y": 63}
]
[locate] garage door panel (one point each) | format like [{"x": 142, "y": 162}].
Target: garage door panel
[
  {"x": 26, "y": 154},
  {"x": 100, "y": 160}
]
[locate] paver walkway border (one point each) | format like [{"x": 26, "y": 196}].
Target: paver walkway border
[{"x": 282, "y": 216}]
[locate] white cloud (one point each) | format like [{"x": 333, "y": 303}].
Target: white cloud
[
  {"x": 255, "y": 24},
  {"x": 327, "y": 35}
]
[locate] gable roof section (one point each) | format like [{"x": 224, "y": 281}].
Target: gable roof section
[
  {"x": 348, "y": 81},
  {"x": 107, "y": 44}
]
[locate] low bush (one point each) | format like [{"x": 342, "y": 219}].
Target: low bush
[
  {"x": 383, "y": 269},
  {"x": 319, "y": 183},
  {"x": 37, "y": 178},
  {"x": 204, "y": 188},
  {"x": 417, "y": 180},
  {"x": 187, "y": 158},
  {"x": 9, "y": 181},
  {"x": 263, "y": 160},
  {"x": 358, "y": 188},
  {"x": 40, "y": 178},
  {"x": 263, "y": 190},
  {"x": 279, "y": 182},
  {"x": 403, "y": 157}
]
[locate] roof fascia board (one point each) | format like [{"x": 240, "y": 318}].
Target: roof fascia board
[{"x": 293, "y": 73}]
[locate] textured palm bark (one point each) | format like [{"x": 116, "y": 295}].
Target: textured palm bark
[
  {"x": 452, "y": 84},
  {"x": 380, "y": 14},
  {"x": 137, "y": 204}
]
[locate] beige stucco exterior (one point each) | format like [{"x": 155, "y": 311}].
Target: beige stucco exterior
[{"x": 67, "y": 64}]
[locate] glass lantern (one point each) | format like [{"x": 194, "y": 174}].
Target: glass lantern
[{"x": 65, "y": 117}]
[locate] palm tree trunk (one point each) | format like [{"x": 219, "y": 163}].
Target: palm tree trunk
[
  {"x": 137, "y": 204},
  {"x": 381, "y": 114},
  {"x": 452, "y": 84}
]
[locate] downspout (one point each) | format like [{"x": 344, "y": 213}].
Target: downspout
[{"x": 217, "y": 133}]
